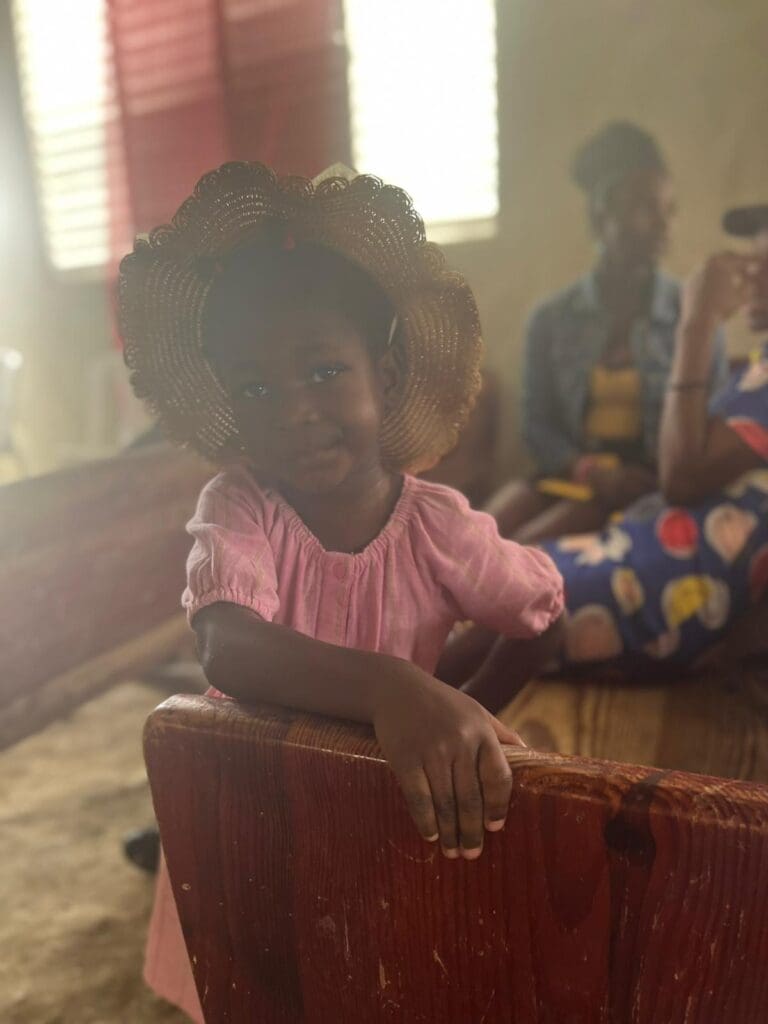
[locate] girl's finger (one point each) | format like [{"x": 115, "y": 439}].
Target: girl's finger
[
  {"x": 441, "y": 786},
  {"x": 469, "y": 803},
  {"x": 418, "y": 797},
  {"x": 496, "y": 781},
  {"x": 505, "y": 734}
]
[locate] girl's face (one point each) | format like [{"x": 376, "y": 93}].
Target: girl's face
[{"x": 308, "y": 398}]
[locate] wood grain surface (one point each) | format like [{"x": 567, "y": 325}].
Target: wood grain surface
[
  {"x": 614, "y": 894},
  {"x": 714, "y": 722},
  {"x": 91, "y": 558}
]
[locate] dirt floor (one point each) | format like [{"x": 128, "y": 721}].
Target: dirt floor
[{"x": 73, "y": 912}]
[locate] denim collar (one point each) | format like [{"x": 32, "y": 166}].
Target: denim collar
[{"x": 665, "y": 304}]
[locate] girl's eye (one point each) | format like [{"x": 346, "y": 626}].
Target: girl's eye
[
  {"x": 253, "y": 390},
  {"x": 324, "y": 373}
]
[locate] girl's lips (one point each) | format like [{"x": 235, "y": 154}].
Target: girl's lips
[{"x": 318, "y": 453}]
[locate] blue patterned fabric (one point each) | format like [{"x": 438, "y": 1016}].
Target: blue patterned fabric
[{"x": 667, "y": 582}]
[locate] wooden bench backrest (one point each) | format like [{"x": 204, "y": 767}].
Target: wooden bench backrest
[
  {"x": 615, "y": 893},
  {"x": 92, "y": 558}
]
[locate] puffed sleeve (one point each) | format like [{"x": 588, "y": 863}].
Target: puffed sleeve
[
  {"x": 514, "y": 590},
  {"x": 231, "y": 558}
]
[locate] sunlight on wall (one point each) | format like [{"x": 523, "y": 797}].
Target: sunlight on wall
[
  {"x": 62, "y": 50},
  {"x": 422, "y": 82}
]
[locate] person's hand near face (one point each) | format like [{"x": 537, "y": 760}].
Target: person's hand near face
[
  {"x": 757, "y": 310},
  {"x": 714, "y": 292},
  {"x": 700, "y": 454},
  {"x": 723, "y": 284}
]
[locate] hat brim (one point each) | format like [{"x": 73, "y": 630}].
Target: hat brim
[
  {"x": 746, "y": 221},
  {"x": 165, "y": 280}
]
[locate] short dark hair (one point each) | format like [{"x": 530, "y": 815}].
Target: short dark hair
[
  {"x": 605, "y": 159},
  {"x": 276, "y": 271}
]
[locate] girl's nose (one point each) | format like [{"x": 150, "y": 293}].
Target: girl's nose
[{"x": 294, "y": 407}]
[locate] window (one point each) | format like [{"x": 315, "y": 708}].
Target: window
[
  {"x": 422, "y": 87},
  {"x": 65, "y": 102},
  {"x": 422, "y": 84}
]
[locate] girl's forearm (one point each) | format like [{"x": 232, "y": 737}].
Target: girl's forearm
[
  {"x": 443, "y": 748},
  {"x": 253, "y": 660}
]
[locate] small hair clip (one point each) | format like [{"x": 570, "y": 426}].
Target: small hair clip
[{"x": 392, "y": 331}]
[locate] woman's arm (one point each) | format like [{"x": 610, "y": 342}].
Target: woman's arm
[
  {"x": 720, "y": 373},
  {"x": 699, "y": 455},
  {"x": 442, "y": 745}
]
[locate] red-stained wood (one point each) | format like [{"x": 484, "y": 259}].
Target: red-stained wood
[
  {"x": 614, "y": 894},
  {"x": 92, "y": 558}
]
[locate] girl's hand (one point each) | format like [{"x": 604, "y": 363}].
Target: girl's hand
[
  {"x": 718, "y": 288},
  {"x": 445, "y": 750}
]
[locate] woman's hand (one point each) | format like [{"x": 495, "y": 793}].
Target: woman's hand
[
  {"x": 619, "y": 486},
  {"x": 445, "y": 750},
  {"x": 718, "y": 288}
]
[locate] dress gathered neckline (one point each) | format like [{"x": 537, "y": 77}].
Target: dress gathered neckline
[{"x": 397, "y": 517}]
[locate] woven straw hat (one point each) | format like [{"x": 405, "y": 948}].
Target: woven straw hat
[{"x": 165, "y": 280}]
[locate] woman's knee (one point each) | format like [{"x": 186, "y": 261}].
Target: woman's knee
[
  {"x": 591, "y": 633},
  {"x": 514, "y": 504}
]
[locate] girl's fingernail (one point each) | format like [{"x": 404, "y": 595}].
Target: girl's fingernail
[
  {"x": 497, "y": 825},
  {"x": 472, "y": 854},
  {"x": 432, "y": 839},
  {"x": 451, "y": 854}
]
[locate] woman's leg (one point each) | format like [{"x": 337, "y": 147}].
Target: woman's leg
[
  {"x": 515, "y": 504},
  {"x": 464, "y": 653},
  {"x": 529, "y": 517},
  {"x": 510, "y": 664},
  {"x": 561, "y": 518},
  {"x": 493, "y": 669}
]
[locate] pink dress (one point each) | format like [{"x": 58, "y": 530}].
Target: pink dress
[{"x": 436, "y": 562}]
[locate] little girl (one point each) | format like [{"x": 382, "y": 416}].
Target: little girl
[{"x": 306, "y": 337}]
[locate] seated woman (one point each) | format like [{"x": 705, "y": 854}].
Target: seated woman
[
  {"x": 684, "y": 566},
  {"x": 598, "y": 354}
]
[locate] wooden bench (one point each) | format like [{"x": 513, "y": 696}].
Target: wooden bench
[
  {"x": 93, "y": 569},
  {"x": 714, "y": 722},
  {"x": 614, "y": 894}
]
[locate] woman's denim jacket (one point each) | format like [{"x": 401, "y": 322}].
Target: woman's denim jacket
[{"x": 565, "y": 338}]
